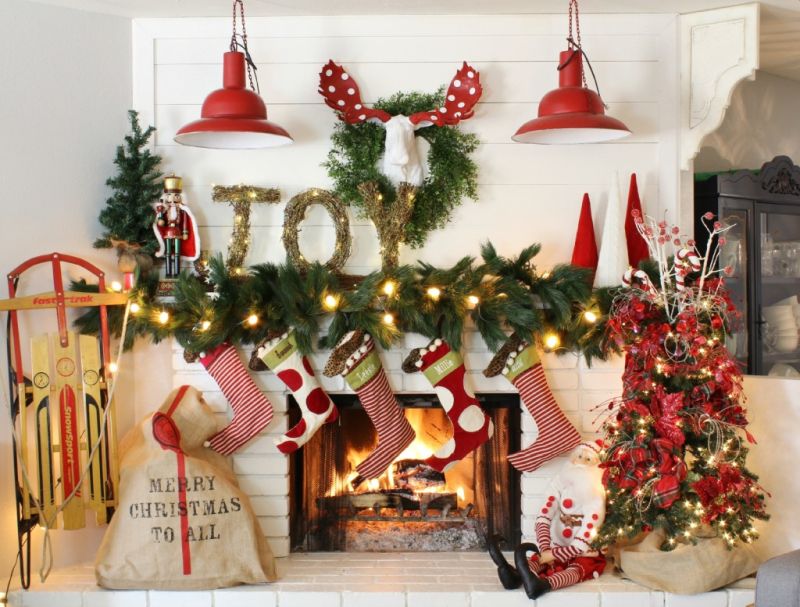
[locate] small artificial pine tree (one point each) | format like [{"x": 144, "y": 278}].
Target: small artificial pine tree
[
  {"x": 128, "y": 215},
  {"x": 676, "y": 443}
]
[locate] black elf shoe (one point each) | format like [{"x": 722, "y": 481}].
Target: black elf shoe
[
  {"x": 534, "y": 585},
  {"x": 509, "y": 577}
]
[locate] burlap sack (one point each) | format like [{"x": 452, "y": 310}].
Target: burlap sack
[
  {"x": 687, "y": 569},
  {"x": 182, "y": 521}
]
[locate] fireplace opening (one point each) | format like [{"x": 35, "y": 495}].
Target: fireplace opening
[{"x": 410, "y": 507}]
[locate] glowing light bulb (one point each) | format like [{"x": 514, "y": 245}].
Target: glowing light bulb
[
  {"x": 389, "y": 287},
  {"x": 473, "y": 300},
  {"x": 434, "y": 293},
  {"x": 590, "y": 316},
  {"x": 388, "y": 319},
  {"x": 113, "y": 367},
  {"x": 163, "y": 317},
  {"x": 252, "y": 320},
  {"x": 135, "y": 308},
  {"x": 205, "y": 325},
  {"x": 116, "y": 286},
  {"x": 330, "y": 302},
  {"x": 551, "y": 341}
]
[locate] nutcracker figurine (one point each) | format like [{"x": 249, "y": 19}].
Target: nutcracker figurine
[{"x": 175, "y": 227}]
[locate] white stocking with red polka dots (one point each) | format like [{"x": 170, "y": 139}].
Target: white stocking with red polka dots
[{"x": 294, "y": 369}]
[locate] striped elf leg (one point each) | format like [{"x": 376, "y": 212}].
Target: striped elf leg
[
  {"x": 444, "y": 369},
  {"x": 519, "y": 362},
  {"x": 357, "y": 360},
  {"x": 568, "y": 577},
  {"x": 252, "y": 411},
  {"x": 294, "y": 369}
]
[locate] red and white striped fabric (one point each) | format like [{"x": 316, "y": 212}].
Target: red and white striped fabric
[
  {"x": 561, "y": 579},
  {"x": 394, "y": 431},
  {"x": 252, "y": 411},
  {"x": 556, "y": 435},
  {"x": 365, "y": 374}
]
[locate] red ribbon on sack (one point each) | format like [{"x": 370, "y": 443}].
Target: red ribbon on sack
[{"x": 168, "y": 436}]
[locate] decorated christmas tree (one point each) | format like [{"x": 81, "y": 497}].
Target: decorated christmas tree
[
  {"x": 675, "y": 443},
  {"x": 128, "y": 214}
]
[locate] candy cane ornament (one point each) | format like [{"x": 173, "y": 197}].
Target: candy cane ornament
[{"x": 631, "y": 276}]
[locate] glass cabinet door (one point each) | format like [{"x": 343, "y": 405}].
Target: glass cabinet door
[
  {"x": 734, "y": 254},
  {"x": 778, "y": 285}
]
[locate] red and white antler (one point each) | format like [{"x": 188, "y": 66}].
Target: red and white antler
[
  {"x": 462, "y": 95},
  {"x": 341, "y": 93}
]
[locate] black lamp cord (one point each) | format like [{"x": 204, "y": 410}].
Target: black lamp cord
[{"x": 239, "y": 41}]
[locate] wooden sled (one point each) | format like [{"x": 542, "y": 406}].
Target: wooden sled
[{"x": 65, "y": 395}]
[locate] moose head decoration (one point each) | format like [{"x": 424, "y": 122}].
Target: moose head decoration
[{"x": 401, "y": 161}]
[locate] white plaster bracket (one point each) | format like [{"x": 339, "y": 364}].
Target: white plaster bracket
[{"x": 719, "y": 49}]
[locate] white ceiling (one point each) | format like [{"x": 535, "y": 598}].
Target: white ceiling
[{"x": 266, "y": 8}]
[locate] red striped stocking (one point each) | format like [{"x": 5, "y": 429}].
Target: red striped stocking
[
  {"x": 252, "y": 411},
  {"x": 293, "y": 369},
  {"x": 356, "y": 359},
  {"x": 557, "y": 435},
  {"x": 444, "y": 369}
]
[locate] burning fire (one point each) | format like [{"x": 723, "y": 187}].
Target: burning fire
[{"x": 458, "y": 480}]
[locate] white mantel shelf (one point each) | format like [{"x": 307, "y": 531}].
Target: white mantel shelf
[{"x": 374, "y": 580}]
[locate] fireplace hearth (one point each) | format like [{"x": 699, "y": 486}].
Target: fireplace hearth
[{"x": 411, "y": 507}]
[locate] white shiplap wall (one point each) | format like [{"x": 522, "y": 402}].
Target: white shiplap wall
[{"x": 527, "y": 193}]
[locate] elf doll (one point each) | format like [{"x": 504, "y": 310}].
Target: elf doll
[
  {"x": 566, "y": 523},
  {"x": 175, "y": 227}
]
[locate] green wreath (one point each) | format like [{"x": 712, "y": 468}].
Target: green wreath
[{"x": 452, "y": 174}]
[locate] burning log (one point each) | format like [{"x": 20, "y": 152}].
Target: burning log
[
  {"x": 399, "y": 500},
  {"x": 416, "y": 475}
]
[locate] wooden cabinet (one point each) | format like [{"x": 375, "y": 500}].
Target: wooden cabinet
[{"x": 763, "y": 249}]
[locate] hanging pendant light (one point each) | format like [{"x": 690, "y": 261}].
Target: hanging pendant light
[
  {"x": 234, "y": 117},
  {"x": 572, "y": 113}
]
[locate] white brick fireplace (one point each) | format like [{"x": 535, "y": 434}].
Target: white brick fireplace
[{"x": 264, "y": 472}]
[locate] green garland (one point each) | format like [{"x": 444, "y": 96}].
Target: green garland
[
  {"x": 498, "y": 295},
  {"x": 453, "y": 175}
]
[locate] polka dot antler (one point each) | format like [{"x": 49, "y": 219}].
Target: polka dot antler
[
  {"x": 462, "y": 96},
  {"x": 341, "y": 93}
]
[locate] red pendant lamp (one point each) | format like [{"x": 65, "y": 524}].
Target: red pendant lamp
[
  {"x": 572, "y": 113},
  {"x": 234, "y": 117}
]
